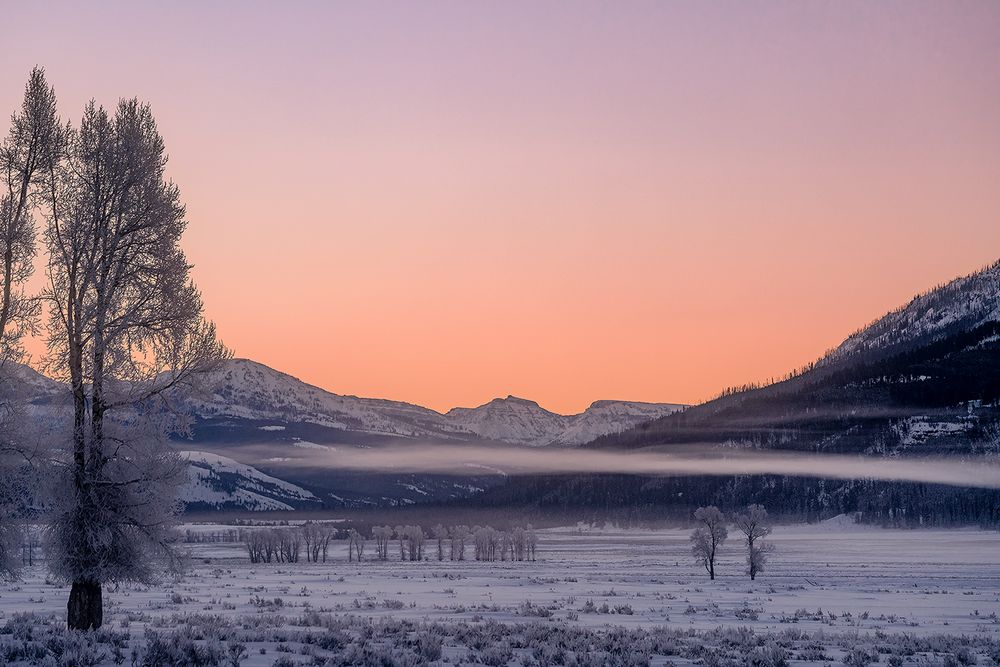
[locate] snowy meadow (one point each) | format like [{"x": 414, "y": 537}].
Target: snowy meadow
[{"x": 832, "y": 593}]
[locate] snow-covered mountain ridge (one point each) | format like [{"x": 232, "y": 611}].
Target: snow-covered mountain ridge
[
  {"x": 244, "y": 389},
  {"x": 961, "y": 304}
]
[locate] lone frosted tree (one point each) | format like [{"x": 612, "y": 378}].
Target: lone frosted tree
[
  {"x": 32, "y": 145},
  {"x": 755, "y": 527},
  {"x": 127, "y": 332},
  {"x": 708, "y": 537}
]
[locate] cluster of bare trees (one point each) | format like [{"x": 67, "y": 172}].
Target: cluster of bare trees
[
  {"x": 284, "y": 544},
  {"x": 287, "y": 544},
  {"x": 518, "y": 544},
  {"x": 489, "y": 544},
  {"x": 711, "y": 533},
  {"x": 411, "y": 542},
  {"x": 457, "y": 537},
  {"x": 317, "y": 537},
  {"x": 124, "y": 330},
  {"x": 382, "y": 535},
  {"x": 212, "y": 537}
]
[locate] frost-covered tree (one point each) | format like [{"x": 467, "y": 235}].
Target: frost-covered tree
[
  {"x": 755, "y": 527},
  {"x": 382, "y": 535},
  {"x": 326, "y": 533},
  {"x": 28, "y": 158},
  {"x": 355, "y": 545},
  {"x": 255, "y": 541},
  {"x": 310, "y": 540},
  {"x": 352, "y": 537},
  {"x": 316, "y": 536},
  {"x": 440, "y": 534},
  {"x": 532, "y": 543},
  {"x": 459, "y": 536},
  {"x": 127, "y": 332},
  {"x": 414, "y": 536},
  {"x": 506, "y": 542},
  {"x": 519, "y": 543},
  {"x": 289, "y": 544},
  {"x": 708, "y": 537},
  {"x": 400, "y": 532},
  {"x": 33, "y": 145},
  {"x": 486, "y": 541}
]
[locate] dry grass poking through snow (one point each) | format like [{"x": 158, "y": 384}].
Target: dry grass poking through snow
[{"x": 833, "y": 595}]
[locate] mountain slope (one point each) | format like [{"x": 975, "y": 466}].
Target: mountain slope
[
  {"x": 220, "y": 483},
  {"x": 960, "y": 305},
  {"x": 923, "y": 380},
  {"x": 245, "y": 389},
  {"x": 610, "y": 417}
]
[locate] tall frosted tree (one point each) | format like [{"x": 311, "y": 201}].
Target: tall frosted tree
[
  {"x": 126, "y": 331},
  {"x": 34, "y": 142},
  {"x": 33, "y": 145}
]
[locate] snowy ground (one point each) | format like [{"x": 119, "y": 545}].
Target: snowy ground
[{"x": 824, "y": 583}]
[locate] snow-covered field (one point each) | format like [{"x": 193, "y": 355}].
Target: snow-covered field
[{"x": 832, "y": 592}]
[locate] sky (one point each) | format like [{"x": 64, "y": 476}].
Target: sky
[{"x": 445, "y": 202}]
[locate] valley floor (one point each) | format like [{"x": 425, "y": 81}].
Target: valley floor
[{"x": 832, "y": 592}]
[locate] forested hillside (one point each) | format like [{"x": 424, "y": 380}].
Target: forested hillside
[{"x": 924, "y": 380}]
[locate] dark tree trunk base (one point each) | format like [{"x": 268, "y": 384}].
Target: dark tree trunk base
[{"x": 85, "y": 610}]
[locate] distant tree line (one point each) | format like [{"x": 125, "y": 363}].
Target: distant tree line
[
  {"x": 287, "y": 544},
  {"x": 629, "y": 500}
]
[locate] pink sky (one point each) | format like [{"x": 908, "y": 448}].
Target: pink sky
[{"x": 446, "y": 202}]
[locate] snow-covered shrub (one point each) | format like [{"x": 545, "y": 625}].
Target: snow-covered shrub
[
  {"x": 527, "y": 608},
  {"x": 860, "y": 657},
  {"x": 494, "y": 656},
  {"x": 236, "y": 653},
  {"x": 769, "y": 655},
  {"x": 428, "y": 646},
  {"x": 78, "y": 650},
  {"x": 179, "y": 649}
]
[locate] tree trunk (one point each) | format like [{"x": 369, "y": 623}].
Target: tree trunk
[{"x": 85, "y": 610}]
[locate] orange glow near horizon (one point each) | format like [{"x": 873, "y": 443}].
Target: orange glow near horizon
[{"x": 443, "y": 203}]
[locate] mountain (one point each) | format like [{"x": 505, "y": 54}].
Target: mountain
[
  {"x": 523, "y": 422},
  {"x": 922, "y": 380},
  {"x": 241, "y": 389},
  {"x": 511, "y": 419}
]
